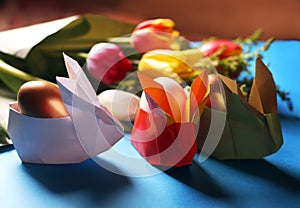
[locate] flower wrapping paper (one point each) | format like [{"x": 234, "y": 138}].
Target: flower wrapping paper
[
  {"x": 166, "y": 124},
  {"x": 88, "y": 130},
  {"x": 252, "y": 128}
]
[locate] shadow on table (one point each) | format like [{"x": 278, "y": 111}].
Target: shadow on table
[
  {"x": 267, "y": 171},
  {"x": 85, "y": 176},
  {"x": 196, "y": 177}
]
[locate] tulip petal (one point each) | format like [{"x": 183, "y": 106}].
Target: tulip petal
[
  {"x": 156, "y": 33},
  {"x": 199, "y": 92},
  {"x": 156, "y": 91},
  {"x": 176, "y": 97},
  {"x": 167, "y": 93}
]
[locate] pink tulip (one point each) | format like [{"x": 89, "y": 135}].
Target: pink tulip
[{"x": 107, "y": 63}]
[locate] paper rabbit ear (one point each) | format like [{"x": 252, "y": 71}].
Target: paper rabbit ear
[
  {"x": 79, "y": 82},
  {"x": 84, "y": 107},
  {"x": 167, "y": 93},
  {"x": 263, "y": 91},
  {"x": 199, "y": 92},
  {"x": 156, "y": 91},
  {"x": 232, "y": 85},
  {"x": 77, "y": 90}
]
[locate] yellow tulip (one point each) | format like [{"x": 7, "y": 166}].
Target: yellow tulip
[{"x": 177, "y": 65}]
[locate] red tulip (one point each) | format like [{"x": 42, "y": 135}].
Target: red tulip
[
  {"x": 230, "y": 48},
  {"x": 160, "y": 25},
  {"x": 154, "y": 34},
  {"x": 227, "y": 49},
  {"x": 107, "y": 63}
]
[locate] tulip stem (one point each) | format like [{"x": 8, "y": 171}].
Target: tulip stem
[
  {"x": 12, "y": 71},
  {"x": 82, "y": 55},
  {"x": 13, "y": 78}
]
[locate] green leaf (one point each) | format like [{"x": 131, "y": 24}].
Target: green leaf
[
  {"x": 13, "y": 60},
  {"x": 45, "y": 59}
]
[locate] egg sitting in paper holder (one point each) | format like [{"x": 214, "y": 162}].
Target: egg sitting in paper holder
[{"x": 61, "y": 125}]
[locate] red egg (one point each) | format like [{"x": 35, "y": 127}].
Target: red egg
[{"x": 41, "y": 99}]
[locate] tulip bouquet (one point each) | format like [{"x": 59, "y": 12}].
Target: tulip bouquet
[{"x": 162, "y": 57}]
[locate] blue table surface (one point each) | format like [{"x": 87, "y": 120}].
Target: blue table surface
[{"x": 273, "y": 181}]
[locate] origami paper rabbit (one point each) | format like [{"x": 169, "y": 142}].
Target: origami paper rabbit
[
  {"x": 252, "y": 128},
  {"x": 166, "y": 125},
  {"x": 88, "y": 130}
]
